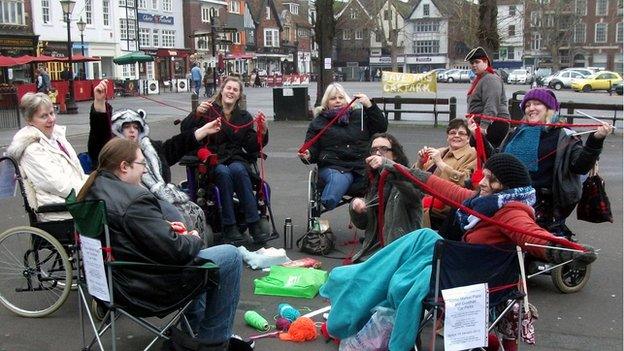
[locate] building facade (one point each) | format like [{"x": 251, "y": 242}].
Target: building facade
[
  {"x": 510, "y": 21},
  {"x": 17, "y": 37},
  {"x": 427, "y": 31}
]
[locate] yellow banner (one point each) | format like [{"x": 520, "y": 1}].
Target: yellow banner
[{"x": 395, "y": 82}]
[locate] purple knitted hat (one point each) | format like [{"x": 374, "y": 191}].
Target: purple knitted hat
[{"x": 545, "y": 96}]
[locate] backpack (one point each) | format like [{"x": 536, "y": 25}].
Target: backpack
[{"x": 316, "y": 241}]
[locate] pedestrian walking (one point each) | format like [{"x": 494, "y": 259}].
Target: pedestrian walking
[{"x": 196, "y": 76}]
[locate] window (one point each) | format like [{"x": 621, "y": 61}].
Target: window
[
  {"x": 427, "y": 47},
  {"x": 123, "y": 29},
  {"x": 131, "y": 25},
  {"x": 234, "y": 6},
  {"x": 302, "y": 32},
  {"x": 601, "y": 7},
  {"x": 511, "y": 30},
  {"x": 166, "y": 6},
  {"x": 144, "y": 37},
  {"x": 550, "y": 20},
  {"x": 536, "y": 19},
  {"x": 427, "y": 26},
  {"x": 149, "y": 66},
  {"x": 45, "y": 11},
  {"x": 294, "y": 9},
  {"x": 201, "y": 43},
  {"x": 154, "y": 4},
  {"x": 155, "y": 37},
  {"x": 88, "y": 11},
  {"x": 536, "y": 41},
  {"x": 425, "y": 10},
  {"x": 126, "y": 3},
  {"x": 129, "y": 71},
  {"x": 286, "y": 33},
  {"x": 168, "y": 38},
  {"x": 271, "y": 37},
  {"x": 106, "y": 12},
  {"x": 601, "y": 33},
  {"x": 581, "y": 7},
  {"x": 12, "y": 12},
  {"x": 236, "y": 38},
  {"x": 142, "y": 4},
  {"x": 359, "y": 34},
  {"x": 268, "y": 13},
  {"x": 387, "y": 15},
  {"x": 205, "y": 14},
  {"x": 618, "y": 32},
  {"x": 352, "y": 14},
  {"x": 579, "y": 33},
  {"x": 512, "y": 10},
  {"x": 510, "y": 53},
  {"x": 346, "y": 34}
]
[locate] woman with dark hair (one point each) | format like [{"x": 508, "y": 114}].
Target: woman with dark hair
[{"x": 402, "y": 210}]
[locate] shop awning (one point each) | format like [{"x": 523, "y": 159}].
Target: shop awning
[
  {"x": 241, "y": 56},
  {"x": 7, "y": 61},
  {"x": 133, "y": 57}
]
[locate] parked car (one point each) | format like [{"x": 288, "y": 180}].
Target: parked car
[
  {"x": 585, "y": 71},
  {"x": 519, "y": 76},
  {"x": 603, "y": 80},
  {"x": 503, "y": 74},
  {"x": 443, "y": 77},
  {"x": 540, "y": 74},
  {"x": 458, "y": 75},
  {"x": 617, "y": 87},
  {"x": 438, "y": 72},
  {"x": 563, "y": 79}
]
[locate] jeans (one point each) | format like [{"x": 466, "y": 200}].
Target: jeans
[
  {"x": 211, "y": 314},
  {"x": 197, "y": 86},
  {"x": 336, "y": 185},
  {"x": 235, "y": 178}
]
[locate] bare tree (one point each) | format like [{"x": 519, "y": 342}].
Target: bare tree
[
  {"x": 324, "y": 32},
  {"x": 488, "y": 30},
  {"x": 389, "y": 30}
]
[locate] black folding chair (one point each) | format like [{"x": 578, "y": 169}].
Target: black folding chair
[
  {"x": 91, "y": 223},
  {"x": 459, "y": 264}
]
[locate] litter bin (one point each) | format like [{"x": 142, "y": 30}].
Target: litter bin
[
  {"x": 515, "y": 111},
  {"x": 290, "y": 103}
]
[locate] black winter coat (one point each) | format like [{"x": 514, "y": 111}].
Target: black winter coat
[
  {"x": 345, "y": 146},
  {"x": 139, "y": 233},
  {"x": 228, "y": 144},
  {"x": 169, "y": 151}
]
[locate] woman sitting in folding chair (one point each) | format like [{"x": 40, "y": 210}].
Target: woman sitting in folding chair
[
  {"x": 398, "y": 275},
  {"x": 140, "y": 233}
]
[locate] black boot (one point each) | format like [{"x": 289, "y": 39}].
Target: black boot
[
  {"x": 231, "y": 235},
  {"x": 260, "y": 231}
]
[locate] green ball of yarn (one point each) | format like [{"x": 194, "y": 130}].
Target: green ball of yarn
[{"x": 256, "y": 321}]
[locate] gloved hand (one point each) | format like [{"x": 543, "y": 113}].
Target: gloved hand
[{"x": 559, "y": 256}]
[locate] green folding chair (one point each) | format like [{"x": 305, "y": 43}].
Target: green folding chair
[{"x": 95, "y": 278}]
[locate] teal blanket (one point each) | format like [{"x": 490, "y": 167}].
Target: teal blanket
[{"x": 396, "y": 277}]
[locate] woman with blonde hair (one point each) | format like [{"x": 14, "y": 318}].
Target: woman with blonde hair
[
  {"x": 47, "y": 160},
  {"x": 342, "y": 149}
]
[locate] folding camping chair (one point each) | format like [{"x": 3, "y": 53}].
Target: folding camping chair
[
  {"x": 458, "y": 264},
  {"x": 95, "y": 273}
]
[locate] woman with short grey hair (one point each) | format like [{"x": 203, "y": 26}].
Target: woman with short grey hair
[{"x": 47, "y": 160}]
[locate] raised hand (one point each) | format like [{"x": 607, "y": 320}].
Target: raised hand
[{"x": 99, "y": 96}]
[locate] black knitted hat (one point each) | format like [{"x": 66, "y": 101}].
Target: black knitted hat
[{"x": 510, "y": 171}]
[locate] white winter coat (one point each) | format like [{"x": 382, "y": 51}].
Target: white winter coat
[{"x": 46, "y": 169}]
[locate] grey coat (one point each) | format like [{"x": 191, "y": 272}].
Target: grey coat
[
  {"x": 402, "y": 212},
  {"x": 489, "y": 98}
]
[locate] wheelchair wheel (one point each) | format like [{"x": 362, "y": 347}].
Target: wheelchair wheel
[
  {"x": 36, "y": 273},
  {"x": 570, "y": 278}
]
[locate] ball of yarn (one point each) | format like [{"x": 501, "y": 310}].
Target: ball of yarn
[
  {"x": 302, "y": 329},
  {"x": 256, "y": 321},
  {"x": 282, "y": 323},
  {"x": 287, "y": 311}
]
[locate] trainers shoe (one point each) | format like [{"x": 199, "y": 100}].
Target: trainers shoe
[
  {"x": 238, "y": 344},
  {"x": 231, "y": 235},
  {"x": 260, "y": 231}
]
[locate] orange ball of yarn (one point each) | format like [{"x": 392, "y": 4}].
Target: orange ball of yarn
[{"x": 302, "y": 329}]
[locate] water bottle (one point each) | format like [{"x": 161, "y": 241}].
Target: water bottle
[{"x": 288, "y": 234}]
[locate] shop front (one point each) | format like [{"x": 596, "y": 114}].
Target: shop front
[
  {"x": 172, "y": 65},
  {"x": 15, "y": 46},
  {"x": 421, "y": 64}
]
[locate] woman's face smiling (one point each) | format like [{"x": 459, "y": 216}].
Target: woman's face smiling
[
  {"x": 336, "y": 101},
  {"x": 535, "y": 111},
  {"x": 231, "y": 93},
  {"x": 44, "y": 119}
]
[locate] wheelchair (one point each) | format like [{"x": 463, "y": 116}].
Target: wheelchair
[
  {"x": 201, "y": 188},
  {"x": 315, "y": 189},
  {"x": 37, "y": 264}
]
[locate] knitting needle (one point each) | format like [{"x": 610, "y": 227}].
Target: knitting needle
[
  {"x": 586, "y": 132},
  {"x": 592, "y": 117},
  {"x": 317, "y": 312},
  {"x": 554, "y": 247}
]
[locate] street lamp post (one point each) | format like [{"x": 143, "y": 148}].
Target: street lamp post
[
  {"x": 81, "y": 27},
  {"x": 70, "y": 103}
]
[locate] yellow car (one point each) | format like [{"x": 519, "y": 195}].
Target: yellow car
[{"x": 603, "y": 80}]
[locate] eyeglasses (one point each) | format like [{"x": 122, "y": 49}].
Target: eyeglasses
[
  {"x": 457, "y": 132},
  {"x": 380, "y": 149},
  {"x": 143, "y": 163}
]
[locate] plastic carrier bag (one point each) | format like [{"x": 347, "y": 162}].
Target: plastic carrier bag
[
  {"x": 291, "y": 281},
  {"x": 375, "y": 334}
]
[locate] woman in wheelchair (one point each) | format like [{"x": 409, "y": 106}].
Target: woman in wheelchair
[
  {"x": 48, "y": 161},
  {"x": 159, "y": 155},
  {"x": 555, "y": 157},
  {"x": 341, "y": 151},
  {"x": 398, "y": 275},
  {"x": 402, "y": 210},
  {"x": 236, "y": 149},
  {"x": 140, "y": 233}
]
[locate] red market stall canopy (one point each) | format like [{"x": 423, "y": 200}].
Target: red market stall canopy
[{"x": 7, "y": 61}]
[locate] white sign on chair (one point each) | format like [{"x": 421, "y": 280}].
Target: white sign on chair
[{"x": 93, "y": 262}]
